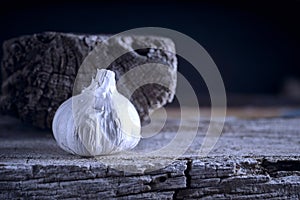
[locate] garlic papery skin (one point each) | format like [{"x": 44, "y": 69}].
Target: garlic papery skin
[{"x": 99, "y": 121}]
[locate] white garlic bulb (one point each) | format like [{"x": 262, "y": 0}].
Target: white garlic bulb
[{"x": 99, "y": 121}]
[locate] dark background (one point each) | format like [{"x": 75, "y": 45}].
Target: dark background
[{"x": 255, "y": 44}]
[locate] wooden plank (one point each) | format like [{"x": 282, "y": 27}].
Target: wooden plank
[{"x": 254, "y": 158}]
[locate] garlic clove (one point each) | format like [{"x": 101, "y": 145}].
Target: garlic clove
[{"x": 98, "y": 121}]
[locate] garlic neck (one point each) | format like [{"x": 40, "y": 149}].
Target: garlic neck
[{"x": 103, "y": 85}]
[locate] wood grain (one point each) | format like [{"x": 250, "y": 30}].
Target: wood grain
[
  {"x": 38, "y": 72},
  {"x": 253, "y": 159}
]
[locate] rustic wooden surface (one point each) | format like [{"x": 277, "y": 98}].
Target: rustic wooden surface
[
  {"x": 38, "y": 72},
  {"x": 254, "y": 158}
]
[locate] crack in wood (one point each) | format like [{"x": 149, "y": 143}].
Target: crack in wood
[{"x": 281, "y": 165}]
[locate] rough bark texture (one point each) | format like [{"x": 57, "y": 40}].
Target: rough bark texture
[
  {"x": 38, "y": 73},
  {"x": 253, "y": 159}
]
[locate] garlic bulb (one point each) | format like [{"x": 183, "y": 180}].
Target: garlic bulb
[{"x": 98, "y": 121}]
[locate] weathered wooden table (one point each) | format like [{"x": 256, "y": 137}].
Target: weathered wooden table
[{"x": 253, "y": 158}]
